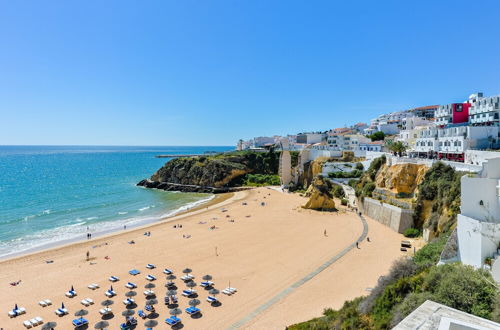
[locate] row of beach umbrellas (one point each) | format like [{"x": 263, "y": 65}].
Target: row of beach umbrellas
[{"x": 129, "y": 312}]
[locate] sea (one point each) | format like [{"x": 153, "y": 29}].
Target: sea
[{"x": 50, "y": 195}]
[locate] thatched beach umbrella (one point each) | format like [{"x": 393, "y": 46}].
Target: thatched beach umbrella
[
  {"x": 151, "y": 302},
  {"x": 49, "y": 326},
  {"x": 187, "y": 270},
  {"x": 207, "y": 277},
  {"x": 107, "y": 303},
  {"x": 81, "y": 313},
  {"x": 171, "y": 277},
  {"x": 194, "y": 302},
  {"x": 191, "y": 285},
  {"x": 171, "y": 293},
  {"x": 151, "y": 324},
  {"x": 128, "y": 312},
  {"x": 150, "y": 286},
  {"x": 130, "y": 294},
  {"x": 101, "y": 325},
  {"x": 214, "y": 292},
  {"x": 175, "y": 311}
]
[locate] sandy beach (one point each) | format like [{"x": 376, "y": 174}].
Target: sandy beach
[{"x": 259, "y": 249}]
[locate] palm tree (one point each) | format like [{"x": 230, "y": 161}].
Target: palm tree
[{"x": 398, "y": 148}]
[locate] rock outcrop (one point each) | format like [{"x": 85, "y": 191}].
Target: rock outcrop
[
  {"x": 401, "y": 178},
  {"x": 320, "y": 197},
  {"x": 215, "y": 174}
]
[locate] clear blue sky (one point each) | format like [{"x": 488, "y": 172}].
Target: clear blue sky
[{"x": 209, "y": 72}]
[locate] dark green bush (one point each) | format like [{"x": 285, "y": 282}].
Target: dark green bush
[
  {"x": 338, "y": 191},
  {"x": 344, "y": 201},
  {"x": 359, "y": 166},
  {"x": 256, "y": 180},
  {"x": 411, "y": 232}
]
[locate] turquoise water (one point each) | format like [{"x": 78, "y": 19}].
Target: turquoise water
[{"x": 54, "y": 193}]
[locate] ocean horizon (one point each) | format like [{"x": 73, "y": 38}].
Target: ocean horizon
[{"x": 53, "y": 194}]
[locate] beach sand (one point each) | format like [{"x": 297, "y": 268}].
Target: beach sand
[{"x": 264, "y": 251}]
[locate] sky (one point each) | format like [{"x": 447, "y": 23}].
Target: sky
[{"x": 211, "y": 72}]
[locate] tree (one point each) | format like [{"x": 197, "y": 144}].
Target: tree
[
  {"x": 377, "y": 136},
  {"x": 398, "y": 148}
]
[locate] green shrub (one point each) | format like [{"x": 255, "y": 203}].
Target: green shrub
[
  {"x": 344, "y": 201},
  {"x": 411, "y": 232},
  {"x": 368, "y": 189},
  {"x": 359, "y": 166},
  {"x": 338, "y": 191},
  {"x": 256, "y": 180},
  {"x": 345, "y": 175},
  {"x": 429, "y": 254},
  {"x": 352, "y": 182}
]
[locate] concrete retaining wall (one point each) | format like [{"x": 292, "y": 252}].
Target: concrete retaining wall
[{"x": 392, "y": 216}]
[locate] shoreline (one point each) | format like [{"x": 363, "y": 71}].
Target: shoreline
[{"x": 66, "y": 243}]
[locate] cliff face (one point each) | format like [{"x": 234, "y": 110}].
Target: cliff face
[
  {"x": 400, "y": 178},
  {"x": 320, "y": 197},
  {"x": 211, "y": 173}
]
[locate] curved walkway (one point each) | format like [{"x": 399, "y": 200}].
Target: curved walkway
[{"x": 300, "y": 282}]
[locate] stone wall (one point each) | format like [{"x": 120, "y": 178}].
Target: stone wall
[{"x": 392, "y": 216}]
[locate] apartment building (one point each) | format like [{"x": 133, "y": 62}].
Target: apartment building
[{"x": 485, "y": 111}]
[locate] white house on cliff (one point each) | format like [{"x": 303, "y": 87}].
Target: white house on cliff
[{"x": 479, "y": 221}]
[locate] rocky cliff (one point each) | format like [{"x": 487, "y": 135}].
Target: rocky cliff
[
  {"x": 217, "y": 173},
  {"x": 320, "y": 196},
  {"x": 400, "y": 178}
]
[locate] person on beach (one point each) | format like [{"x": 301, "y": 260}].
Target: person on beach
[
  {"x": 88, "y": 255},
  {"x": 368, "y": 239},
  {"x": 324, "y": 233},
  {"x": 357, "y": 245},
  {"x": 124, "y": 227}
]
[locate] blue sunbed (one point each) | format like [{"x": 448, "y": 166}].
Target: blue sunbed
[
  {"x": 80, "y": 322},
  {"x": 173, "y": 320},
  {"x": 192, "y": 310},
  {"x": 134, "y": 272}
]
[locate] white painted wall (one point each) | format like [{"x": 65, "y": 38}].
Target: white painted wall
[
  {"x": 478, "y": 157},
  {"x": 476, "y": 240}
]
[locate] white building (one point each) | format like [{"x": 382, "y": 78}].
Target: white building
[
  {"x": 310, "y": 138},
  {"x": 346, "y": 141},
  {"x": 478, "y": 226},
  {"x": 426, "y": 142},
  {"x": 456, "y": 140},
  {"x": 485, "y": 111},
  {"x": 261, "y": 141},
  {"x": 433, "y": 316},
  {"x": 372, "y": 146}
]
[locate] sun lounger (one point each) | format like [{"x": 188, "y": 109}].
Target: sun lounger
[
  {"x": 167, "y": 300},
  {"x": 61, "y": 311},
  {"x": 188, "y": 293},
  {"x": 87, "y": 302},
  {"x": 70, "y": 294},
  {"x": 173, "y": 320},
  {"x": 174, "y": 299},
  {"x": 130, "y": 285},
  {"x": 149, "y": 293},
  {"x": 150, "y": 266},
  {"x": 150, "y": 278},
  {"x": 211, "y": 299},
  {"x": 34, "y": 322},
  {"x": 114, "y": 279},
  {"x": 192, "y": 310},
  {"x": 141, "y": 314},
  {"x": 167, "y": 271},
  {"x": 187, "y": 277},
  {"x": 110, "y": 293},
  {"x": 17, "y": 312},
  {"x": 80, "y": 322},
  {"x": 229, "y": 291},
  {"x": 105, "y": 311},
  {"x": 134, "y": 272},
  {"x": 42, "y": 303},
  {"x": 207, "y": 284},
  {"x": 27, "y": 324},
  {"x": 129, "y": 301},
  {"x": 93, "y": 286}
]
